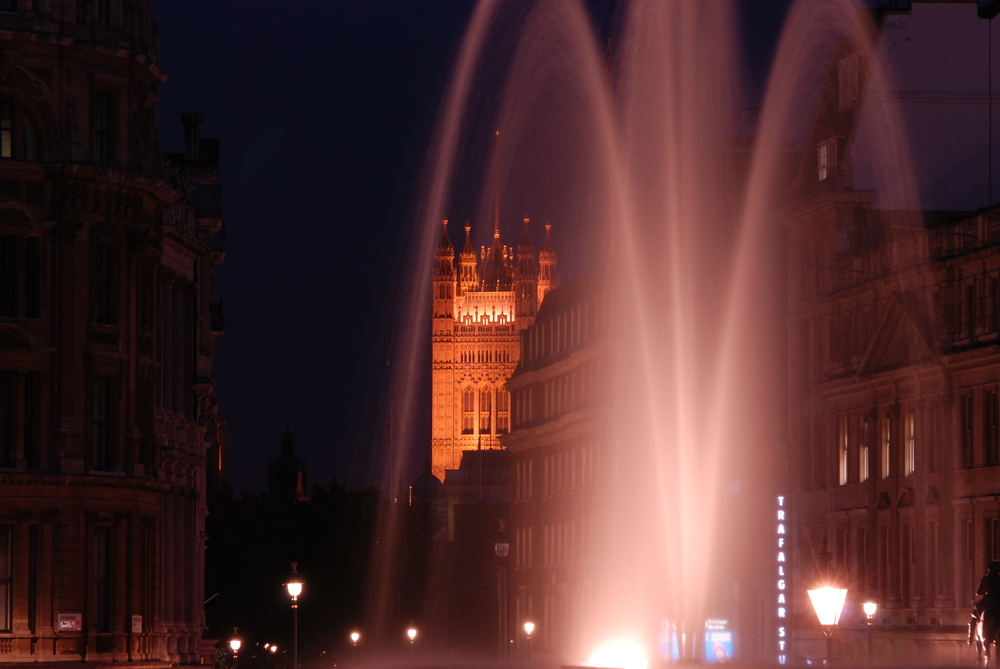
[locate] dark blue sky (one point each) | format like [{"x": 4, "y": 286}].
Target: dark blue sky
[{"x": 324, "y": 111}]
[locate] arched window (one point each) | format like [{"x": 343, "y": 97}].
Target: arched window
[
  {"x": 503, "y": 411},
  {"x": 17, "y": 132},
  {"x": 485, "y": 407},
  {"x": 468, "y": 410}
]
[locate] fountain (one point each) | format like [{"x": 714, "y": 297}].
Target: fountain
[{"x": 648, "y": 173}]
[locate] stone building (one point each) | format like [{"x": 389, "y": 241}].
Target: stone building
[
  {"x": 555, "y": 449},
  {"x": 108, "y": 424},
  {"x": 893, "y": 327},
  {"x": 479, "y": 311}
]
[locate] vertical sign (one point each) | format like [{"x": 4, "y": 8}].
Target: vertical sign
[{"x": 781, "y": 610}]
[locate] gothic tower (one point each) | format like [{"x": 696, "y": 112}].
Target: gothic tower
[{"x": 478, "y": 315}]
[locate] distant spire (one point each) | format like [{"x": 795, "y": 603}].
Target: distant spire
[
  {"x": 526, "y": 285},
  {"x": 548, "y": 276},
  {"x": 496, "y": 188},
  {"x": 468, "y": 277}
]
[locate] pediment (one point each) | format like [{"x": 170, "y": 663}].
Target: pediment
[
  {"x": 901, "y": 338},
  {"x": 905, "y": 498},
  {"x": 932, "y": 495},
  {"x": 14, "y": 337},
  {"x": 883, "y": 501}
]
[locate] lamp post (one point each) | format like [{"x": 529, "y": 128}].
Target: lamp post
[
  {"x": 529, "y": 627},
  {"x": 827, "y": 600},
  {"x": 501, "y": 549},
  {"x": 294, "y": 586},
  {"x": 412, "y": 634},
  {"x": 354, "y": 638},
  {"x": 870, "y": 609},
  {"x": 235, "y": 644}
]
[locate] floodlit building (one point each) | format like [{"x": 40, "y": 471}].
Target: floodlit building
[
  {"x": 893, "y": 330},
  {"x": 109, "y": 428},
  {"x": 555, "y": 451},
  {"x": 479, "y": 311}
]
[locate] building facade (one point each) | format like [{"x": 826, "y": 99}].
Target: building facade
[
  {"x": 893, "y": 330},
  {"x": 555, "y": 450},
  {"x": 109, "y": 427},
  {"x": 479, "y": 311}
]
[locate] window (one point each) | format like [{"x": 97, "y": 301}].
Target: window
[
  {"x": 842, "y": 449},
  {"x": 826, "y": 159},
  {"x": 6, "y": 560},
  {"x": 503, "y": 411},
  {"x": 8, "y": 450},
  {"x": 468, "y": 410},
  {"x": 966, "y": 419},
  {"x": 31, "y": 420},
  {"x": 17, "y": 133},
  {"x": 991, "y": 433},
  {"x": 104, "y": 311},
  {"x": 910, "y": 443},
  {"x": 8, "y": 276},
  {"x": 847, "y": 71},
  {"x": 886, "y": 445},
  {"x": 19, "y": 277},
  {"x": 863, "y": 455},
  {"x": 102, "y": 128},
  {"x": 863, "y": 571},
  {"x": 101, "y": 420},
  {"x": 103, "y": 10},
  {"x": 485, "y": 407},
  {"x": 102, "y": 578}
]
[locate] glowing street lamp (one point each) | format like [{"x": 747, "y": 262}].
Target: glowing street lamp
[
  {"x": 529, "y": 627},
  {"x": 235, "y": 644},
  {"x": 294, "y": 586},
  {"x": 870, "y": 609},
  {"x": 412, "y": 633},
  {"x": 828, "y": 603},
  {"x": 354, "y": 638}
]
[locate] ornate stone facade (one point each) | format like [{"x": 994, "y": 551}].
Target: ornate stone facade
[
  {"x": 108, "y": 424},
  {"x": 479, "y": 313}
]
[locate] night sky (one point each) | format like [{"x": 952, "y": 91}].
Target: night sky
[{"x": 325, "y": 112}]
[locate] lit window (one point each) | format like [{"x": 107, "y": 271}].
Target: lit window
[
  {"x": 468, "y": 410},
  {"x": 826, "y": 159},
  {"x": 863, "y": 455},
  {"x": 842, "y": 442},
  {"x": 503, "y": 411},
  {"x": 17, "y": 133},
  {"x": 886, "y": 450},
  {"x": 910, "y": 454},
  {"x": 485, "y": 410}
]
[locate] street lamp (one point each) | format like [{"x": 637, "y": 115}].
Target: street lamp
[
  {"x": 294, "y": 586},
  {"x": 354, "y": 638},
  {"x": 235, "y": 644},
  {"x": 870, "y": 609},
  {"x": 412, "y": 634},
  {"x": 828, "y": 603},
  {"x": 529, "y": 627}
]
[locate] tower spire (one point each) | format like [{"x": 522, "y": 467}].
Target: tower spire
[{"x": 496, "y": 187}]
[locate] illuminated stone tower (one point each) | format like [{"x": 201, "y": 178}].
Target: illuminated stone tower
[{"x": 478, "y": 314}]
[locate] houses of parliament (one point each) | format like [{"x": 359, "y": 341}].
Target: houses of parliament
[{"x": 481, "y": 304}]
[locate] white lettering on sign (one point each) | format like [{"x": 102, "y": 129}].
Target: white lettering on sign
[{"x": 781, "y": 559}]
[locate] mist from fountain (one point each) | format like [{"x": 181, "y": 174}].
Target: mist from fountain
[{"x": 648, "y": 173}]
